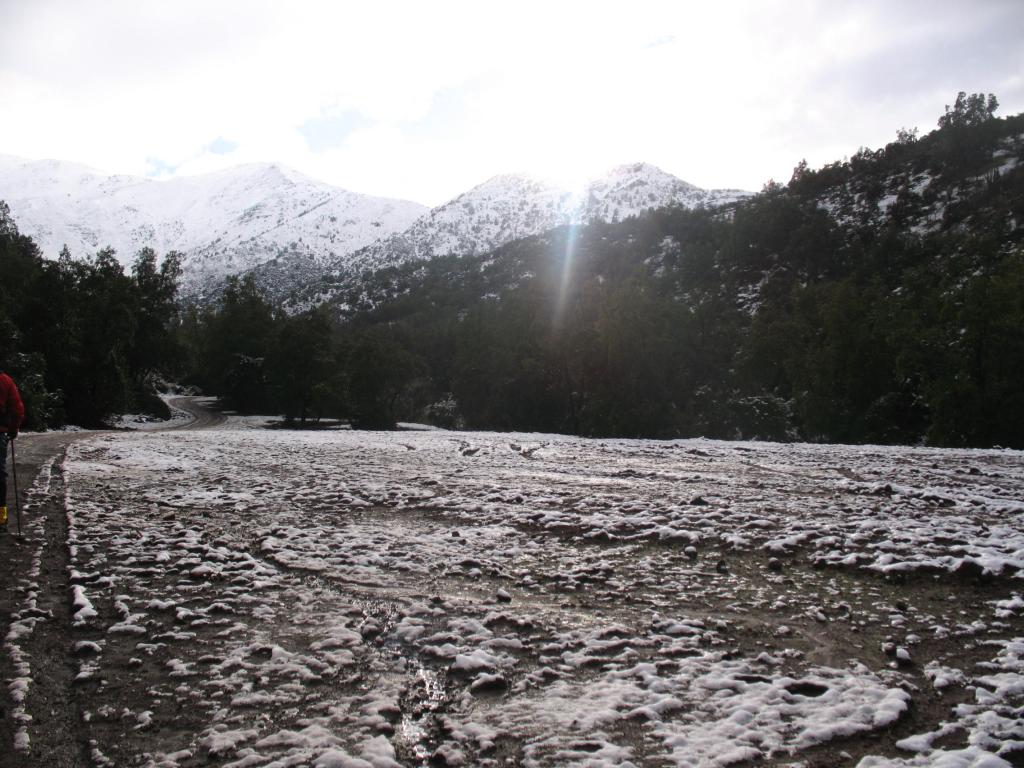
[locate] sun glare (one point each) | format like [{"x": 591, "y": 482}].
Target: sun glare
[
  {"x": 570, "y": 174},
  {"x": 566, "y": 280}
]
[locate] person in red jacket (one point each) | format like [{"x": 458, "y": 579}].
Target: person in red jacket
[{"x": 12, "y": 413}]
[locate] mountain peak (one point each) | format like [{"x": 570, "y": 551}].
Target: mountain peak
[
  {"x": 509, "y": 181},
  {"x": 269, "y": 173},
  {"x": 636, "y": 168},
  {"x": 646, "y": 171}
]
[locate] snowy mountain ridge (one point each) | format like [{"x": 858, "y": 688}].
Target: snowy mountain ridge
[
  {"x": 223, "y": 222},
  {"x": 292, "y": 229},
  {"x": 510, "y": 206}
]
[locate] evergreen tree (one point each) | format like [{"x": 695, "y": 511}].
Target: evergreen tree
[{"x": 303, "y": 366}]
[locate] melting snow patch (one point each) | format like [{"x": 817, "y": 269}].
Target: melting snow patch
[{"x": 712, "y": 711}]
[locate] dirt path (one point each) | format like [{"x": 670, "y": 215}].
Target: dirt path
[
  {"x": 35, "y": 610},
  {"x": 34, "y": 613},
  {"x": 202, "y": 417}
]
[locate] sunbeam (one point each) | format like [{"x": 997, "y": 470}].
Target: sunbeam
[{"x": 566, "y": 279}]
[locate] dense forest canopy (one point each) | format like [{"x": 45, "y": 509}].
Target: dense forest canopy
[{"x": 876, "y": 299}]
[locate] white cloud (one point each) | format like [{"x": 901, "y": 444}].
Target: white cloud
[{"x": 449, "y": 93}]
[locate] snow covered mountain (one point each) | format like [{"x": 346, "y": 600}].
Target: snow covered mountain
[
  {"x": 631, "y": 189},
  {"x": 508, "y": 207},
  {"x": 292, "y": 229},
  {"x": 501, "y": 209},
  {"x": 224, "y": 222}
]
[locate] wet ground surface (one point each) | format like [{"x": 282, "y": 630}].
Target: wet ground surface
[{"x": 238, "y": 596}]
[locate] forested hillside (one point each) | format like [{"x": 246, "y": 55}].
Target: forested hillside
[
  {"x": 877, "y": 299},
  {"x": 880, "y": 299}
]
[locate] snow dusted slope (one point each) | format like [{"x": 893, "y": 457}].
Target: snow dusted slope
[
  {"x": 631, "y": 189},
  {"x": 59, "y": 203},
  {"x": 224, "y": 222},
  {"x": 502, "y": 209},
  {"x": 509, "y": 207}
]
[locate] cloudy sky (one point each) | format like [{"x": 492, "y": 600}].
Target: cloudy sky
[{"x": 423, "y": 100}]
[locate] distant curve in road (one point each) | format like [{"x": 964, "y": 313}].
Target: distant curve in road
[{"x": 202, "y": 417}]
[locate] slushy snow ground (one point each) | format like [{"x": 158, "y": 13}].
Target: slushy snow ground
[{"x": 248, "y": 597}]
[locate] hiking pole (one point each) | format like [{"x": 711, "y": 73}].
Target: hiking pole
[{"x": 17, "y": 502}]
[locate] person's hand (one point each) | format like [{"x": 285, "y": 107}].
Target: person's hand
[{"x": 12, "y": 433}]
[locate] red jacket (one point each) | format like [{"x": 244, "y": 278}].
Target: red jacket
[{"x": 12, "y": 410}]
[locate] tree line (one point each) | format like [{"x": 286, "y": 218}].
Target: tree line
[
  {"x": 83, "y": 339},
  {"x": 876, "y": 299},
  {"x": 304, "y": 366}
]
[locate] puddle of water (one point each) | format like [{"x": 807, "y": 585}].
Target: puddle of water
[{"x": 424, "y": 698}]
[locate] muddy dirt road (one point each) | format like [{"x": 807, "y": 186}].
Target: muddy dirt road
[{"x": 236, "y": 596}]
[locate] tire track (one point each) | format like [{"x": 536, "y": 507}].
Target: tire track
[
  {"x": 46, "y": 717},
  {"x": 40, "y": 719}
]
